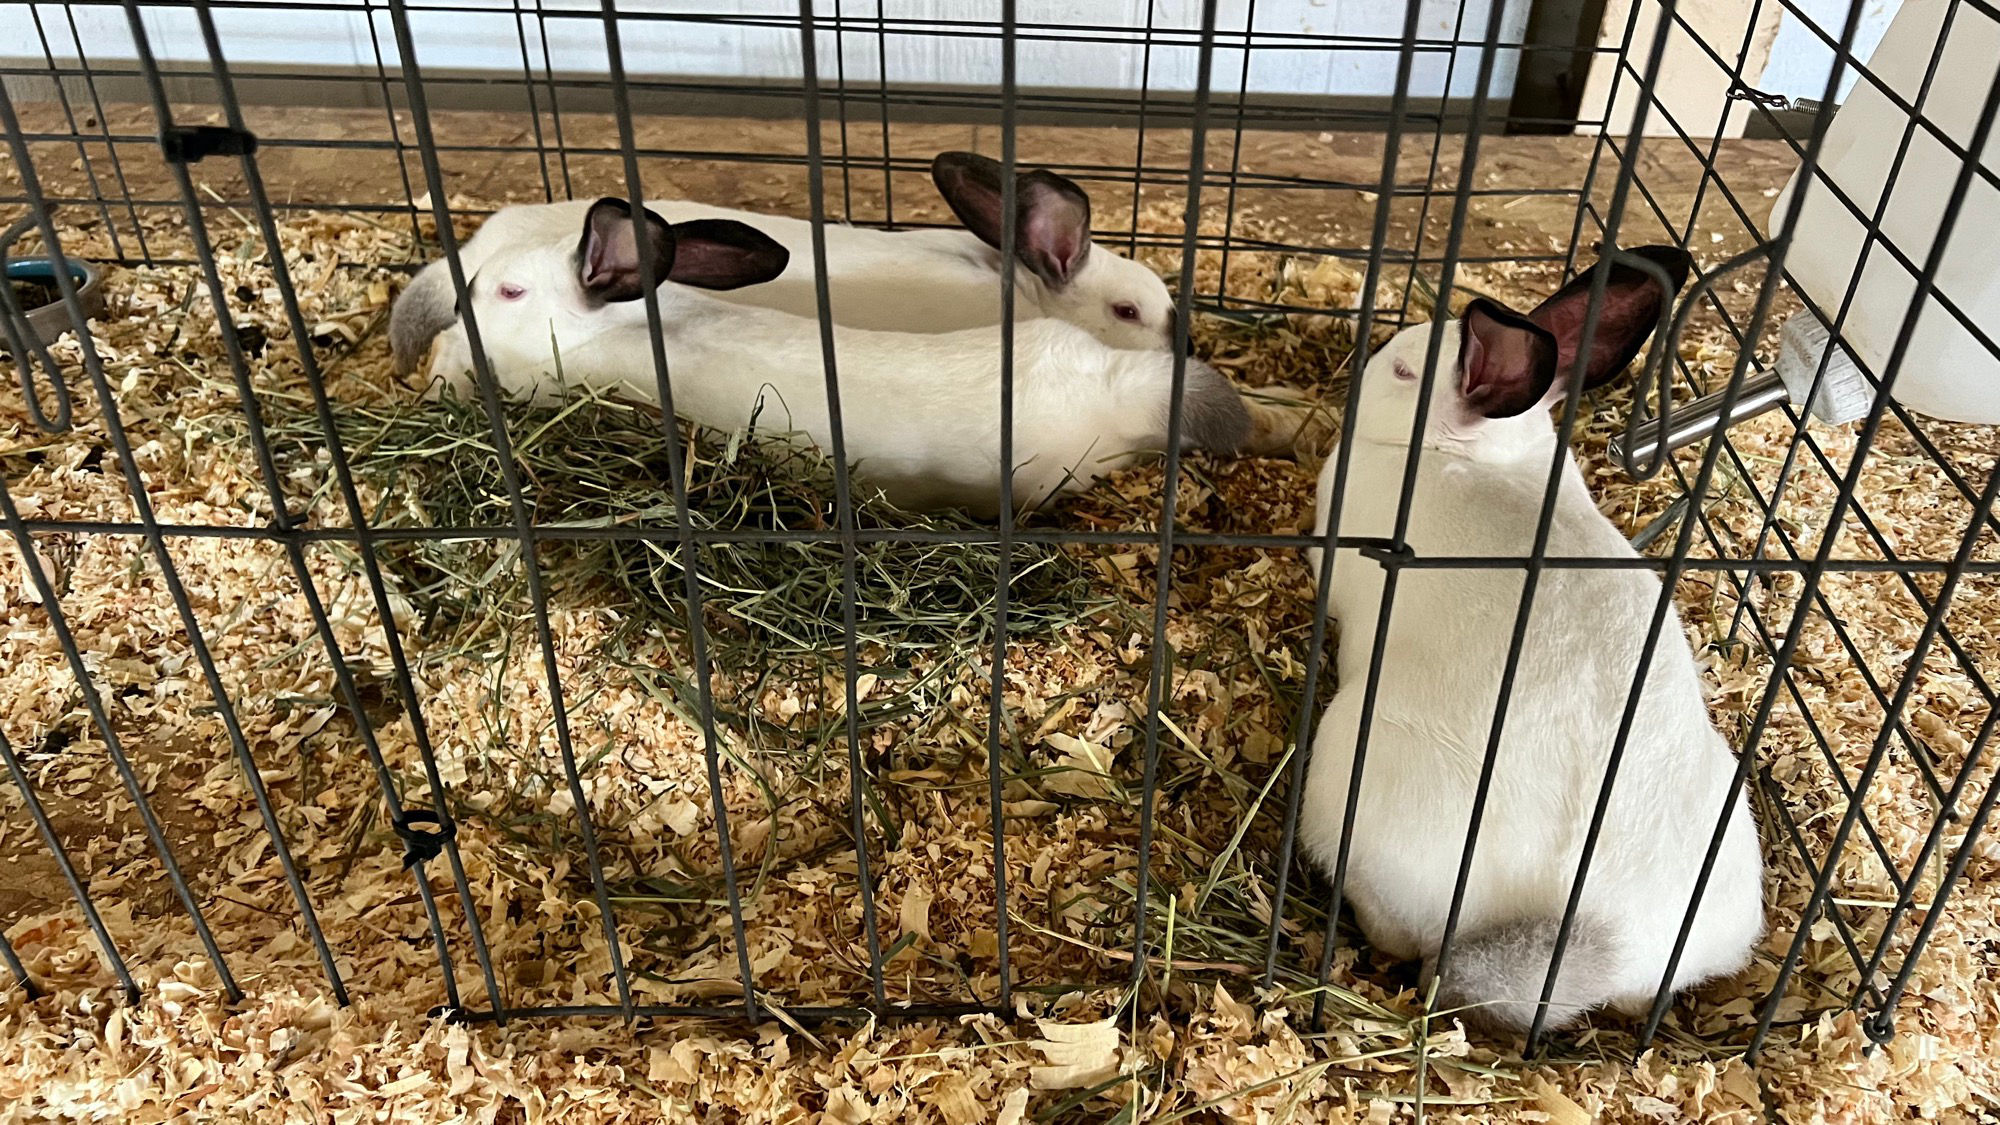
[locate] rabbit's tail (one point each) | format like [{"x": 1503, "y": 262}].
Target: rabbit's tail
[
  {"x": 1495, "y": 977},
  {"x": 427, "y": 306}
]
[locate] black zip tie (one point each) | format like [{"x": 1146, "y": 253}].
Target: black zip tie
[
  {"x": 190, "y": 144},
  {"x": 1388, "y": 552},
  {"x": 421, "y": 846}
]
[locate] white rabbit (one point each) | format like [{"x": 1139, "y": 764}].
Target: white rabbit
[
  {"x": 904, "y": 281},
  {"x": 1487, "y": 446},
  {"x": 921, "y": 412}
]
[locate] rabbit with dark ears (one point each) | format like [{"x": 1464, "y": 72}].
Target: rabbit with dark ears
[
  {"x": 900, "y": 281},
  {"x": 921, "y": 412},
  {"x": 1488, "y": 443},
  {"x": 1118, "y": 299}
]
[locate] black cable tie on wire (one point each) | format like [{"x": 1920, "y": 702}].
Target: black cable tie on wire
[
  {"x": 190, "y": 144},
  {"x": 286, "y": 531},
  {"x": 419, "y": 845},
  {"x": 1391, "y": 555}
]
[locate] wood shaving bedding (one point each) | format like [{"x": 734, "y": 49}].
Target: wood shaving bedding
[{"x": 1207, "y": 1042}]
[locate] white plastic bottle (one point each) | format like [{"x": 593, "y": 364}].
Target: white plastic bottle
[{"x": 1946, "y": 373}]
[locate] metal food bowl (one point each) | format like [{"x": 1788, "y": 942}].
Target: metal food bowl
[{"x": 51, "y": 320}]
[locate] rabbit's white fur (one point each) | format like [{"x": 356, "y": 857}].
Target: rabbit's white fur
[
  {"x": 921, "y": 413},
  {"x": 1479, "y": 490},
  {"x": 900, "y": 281}
]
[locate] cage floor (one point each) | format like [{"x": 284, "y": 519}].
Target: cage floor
[{"x": 1204, "y": 1044}]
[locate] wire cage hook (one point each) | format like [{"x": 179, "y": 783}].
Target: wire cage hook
[{"x": 24, "y": 336}]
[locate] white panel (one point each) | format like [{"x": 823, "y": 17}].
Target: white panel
[
  {"x": 1303, "y": 46},
  {"x": 1801, "y": 61}
]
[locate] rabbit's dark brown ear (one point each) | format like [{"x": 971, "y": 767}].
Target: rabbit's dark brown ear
[
  {"x": 1506, "y": 362},
  {"x": 1054, "y": 232},
  {"x": 725, "y": 254},
  {"x": 970, "y": 183},
  {"x": 1633, "y": 302},
  {"x": 1052, "y": 214},
  {"x": 608, "y": 254}
]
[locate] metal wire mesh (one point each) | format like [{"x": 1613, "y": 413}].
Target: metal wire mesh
[{"x": 99, "y": 123}]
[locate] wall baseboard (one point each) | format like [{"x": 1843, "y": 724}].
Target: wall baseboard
[{"x": 29, "y": 80}]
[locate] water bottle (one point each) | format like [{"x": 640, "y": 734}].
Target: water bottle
[{"x": 1946, "y": 371}]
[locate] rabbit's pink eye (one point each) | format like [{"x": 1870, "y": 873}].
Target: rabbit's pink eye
[
  {"x": 1125, "y": 310},
  {"x": 1403, "y": 371},
  {"x": 511, "y": 292}
]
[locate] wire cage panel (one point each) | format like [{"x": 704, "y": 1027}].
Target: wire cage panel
[{"x": 595, "y": 715}]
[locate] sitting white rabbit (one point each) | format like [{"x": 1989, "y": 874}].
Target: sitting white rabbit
[
  {"x": 900, "y": 281},
  {"x": 1487, "y": 446},
  {"x": 921, "y": 412}
]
